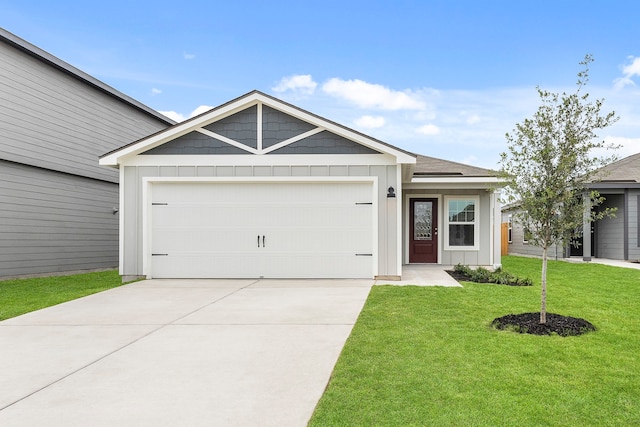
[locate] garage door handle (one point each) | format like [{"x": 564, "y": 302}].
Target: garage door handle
[
  {"x": 263, "y": 243},
  {"x": 258, "y": 240}
]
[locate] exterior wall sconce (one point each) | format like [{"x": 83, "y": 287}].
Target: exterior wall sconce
[
  {"x": 391, "y": 193},
  {"x": 115, "y": 210}
]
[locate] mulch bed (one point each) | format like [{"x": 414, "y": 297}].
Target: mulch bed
[
  {"x": 529, "y": 323},
  {"x": 464, "y": 278},
  {"x": 458, "y": 276}
]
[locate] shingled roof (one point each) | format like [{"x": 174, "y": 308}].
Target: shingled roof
[
  {"x": 624, "y": 170},
  {"x": 431, "y": 166}
]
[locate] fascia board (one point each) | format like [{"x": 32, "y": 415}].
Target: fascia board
[
  {"x": 115, "y": 158},
  {"x": 449, "y": 183},
  {"x": 337, "y": 129}
]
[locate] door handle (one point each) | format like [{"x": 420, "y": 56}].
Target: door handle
[
  {"x": 258, "y": 240},
  {"x": 263, "y": 242}
]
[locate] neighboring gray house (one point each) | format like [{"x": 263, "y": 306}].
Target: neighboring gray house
[
  {"x": 260, "y": 188},
  {"x": 57, "y": 205},
  {"x": 612, "y": 237}
]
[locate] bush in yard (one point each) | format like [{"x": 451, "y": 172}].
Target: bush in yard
[{"x": 499, "y": 276}]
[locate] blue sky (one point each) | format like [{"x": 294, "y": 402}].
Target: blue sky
[{"x": 442, "y": 78}]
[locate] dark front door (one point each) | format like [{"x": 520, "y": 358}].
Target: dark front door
[{"x": 423, "y": 231}]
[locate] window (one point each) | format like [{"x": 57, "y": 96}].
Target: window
[
  {"x": 526, "y": 235},
  {"x": 462, "y": 223},
  {"x": 510, "y": 229}
]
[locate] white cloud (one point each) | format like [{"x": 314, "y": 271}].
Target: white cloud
[
  {"x": 429, "y": 129},
  {"x": 302, "y": 83},
  {"x": 179, "y": 117},
  {"x": 628, "y": 72},
  {"x": 155, "y": 91},
  {"x": 370, "y": 122},
  {"x": 188, "y": 56},
  {"x": 627, "y": 146},
  {"x": 369, "y": 95},
  {"x": 176, "y": 117},
  {"x": 201, "y": 109}
]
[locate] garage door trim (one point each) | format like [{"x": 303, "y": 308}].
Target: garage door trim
[{"x": 147, "y": 191}]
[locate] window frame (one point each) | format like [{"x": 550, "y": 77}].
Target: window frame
[
  {"x": 475, "y": 223},
  {"x": 510, "y": 229}
]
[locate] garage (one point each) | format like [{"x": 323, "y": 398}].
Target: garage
[{"x": 254, "y": 229}]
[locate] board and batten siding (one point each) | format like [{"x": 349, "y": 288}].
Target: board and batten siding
[
  {"x": 634, "y": 225},
  {"x": 54, "y": 222},
  {"x": 132, "y": 257},
  {"x": 482, "y": 256},
  {"x": 609, "y": 231},
  {"x": 55, "y": 121}
]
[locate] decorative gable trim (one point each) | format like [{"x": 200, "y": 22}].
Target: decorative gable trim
[{"x": 253, "y": 99}]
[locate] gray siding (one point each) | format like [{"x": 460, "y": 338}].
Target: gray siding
[
  {"x": 52, "y": 120},
  {"x": 55, "y": 222},
  {"x": 241, "y": 127},
  {"x": 517, "y": 246},
  {"x": 609, "y": 240},
  {"x": 278, "y": 126},
  {"x": 634, "y": 225},
  {"x": 132, "y": 217},
  {"x": 325, "y": 142},
  {"x": 194, "y": 143}
]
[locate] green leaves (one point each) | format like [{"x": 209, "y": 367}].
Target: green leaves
[{"x": 551, "y": 155}]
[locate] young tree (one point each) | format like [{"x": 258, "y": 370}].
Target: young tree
[{"x": 550, "y": 158}]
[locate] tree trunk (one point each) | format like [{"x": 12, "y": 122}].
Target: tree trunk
[{"x": 543, "y": 296}]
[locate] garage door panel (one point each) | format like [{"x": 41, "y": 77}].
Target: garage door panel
[
  {"x": 199, "y": 239},
  {"x": 309, "y": 229},
  {"x": 199, "y": 265}
]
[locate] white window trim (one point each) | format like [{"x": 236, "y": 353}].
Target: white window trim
[{"x": 476, "y": 224}]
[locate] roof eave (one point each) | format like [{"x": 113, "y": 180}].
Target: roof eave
[
  {"x": 74, "y": 72},
  {"x": 115, "y": 157}
]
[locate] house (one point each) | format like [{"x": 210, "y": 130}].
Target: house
[
  {"x": 258, "y": 187},
  {"x": 615, "y": 237},
  {"x": 58, "y": 207}
]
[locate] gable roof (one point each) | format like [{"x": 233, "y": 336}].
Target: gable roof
[
  {"x": 625, "y": 170},
  {"x": 47, "y": 58},
  {"x": 431, "y": 166},
  {"x": 202, "y": 121}
]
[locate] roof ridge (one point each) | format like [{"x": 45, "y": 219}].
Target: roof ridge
[{"x": 69, "y": 69}]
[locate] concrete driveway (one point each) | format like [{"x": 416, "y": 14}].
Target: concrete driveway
[{"x": 178, "y": 352}]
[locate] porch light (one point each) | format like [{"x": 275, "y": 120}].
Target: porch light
[{"x": 391, "y": 193}]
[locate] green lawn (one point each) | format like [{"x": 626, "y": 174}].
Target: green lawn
[
  {"x": 24, "y": 295},
  {"x": 427, "y": 356}
]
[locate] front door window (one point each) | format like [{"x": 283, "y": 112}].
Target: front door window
[
  {"x": 423, "y": 231},
  {"x": 423, "y": 217}
]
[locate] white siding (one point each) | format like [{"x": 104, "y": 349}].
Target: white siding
[{"x": 132, "y": 237}]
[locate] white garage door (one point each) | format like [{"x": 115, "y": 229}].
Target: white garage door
[{"x": 270, "y": 229}]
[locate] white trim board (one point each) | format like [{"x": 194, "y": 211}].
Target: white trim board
[{"x": 147, "y": 190}]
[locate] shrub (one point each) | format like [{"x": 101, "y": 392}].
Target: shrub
[
  {"x": 499, "y": 276},
  {"x": 481, "y": 275}
]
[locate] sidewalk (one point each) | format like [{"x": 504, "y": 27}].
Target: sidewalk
[{"x": 611, "y": 262}]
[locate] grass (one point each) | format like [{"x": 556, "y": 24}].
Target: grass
[
  {"x": 21, "y": 296},
  {"x": 427, "y": 356}
]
